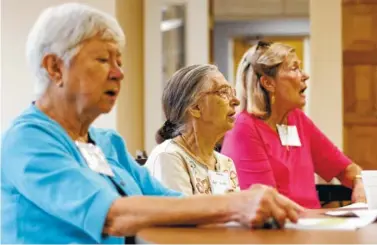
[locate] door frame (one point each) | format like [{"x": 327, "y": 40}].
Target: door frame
[{"x": 196, "y": 51}]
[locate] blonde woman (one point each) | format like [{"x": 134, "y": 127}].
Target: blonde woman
[
  {"x": 273, "y": 142},
  {"x": 199, "y": 106}
]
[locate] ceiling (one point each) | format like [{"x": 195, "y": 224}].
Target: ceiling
[{"x": 234, "y": 10}]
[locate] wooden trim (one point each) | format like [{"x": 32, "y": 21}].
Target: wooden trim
[
  {"x": 360, "y": 57},
  {"x": 355, "y": 2},
  {"x": 351, "y": 119}
]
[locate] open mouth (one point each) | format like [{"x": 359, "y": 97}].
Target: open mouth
[
  {"x": 302, "y": 91},
  {"x": 111, "y": 93},
  {"x": 232, "y": 114}
]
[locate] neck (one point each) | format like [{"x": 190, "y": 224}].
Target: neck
[
  {"x": 201, "y": 144},
  {"x": 75, "y": 124},
  {"x": 279, "y": 115}
]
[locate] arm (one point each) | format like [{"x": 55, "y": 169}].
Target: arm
[
  {"x": 251, "y": 208},
  {"x": 350, "y": 177},
  {"x": 42, "y": 169},
  {"x": 244, "y": 145},
  {"x": 171, "y": 171},
  {"x": 330, "y": 162}
]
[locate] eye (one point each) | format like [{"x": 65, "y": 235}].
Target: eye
[{"x": 103, "y": 60}]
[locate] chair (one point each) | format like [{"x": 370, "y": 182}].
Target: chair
[
  {"x": 333, "y": 193},
  {"x": 141, "y": 161},
  {"x": 141, "y": 157}
]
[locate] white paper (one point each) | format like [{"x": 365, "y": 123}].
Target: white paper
[
  {"x": 355, "y": 205},
  {"x": 288, "y": 135},
  {"x": 220, "y": 182},
  {"x": 333, "y": 223}
]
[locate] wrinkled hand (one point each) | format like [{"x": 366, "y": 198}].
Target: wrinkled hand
[
  {"x": 358, "y": 193},
  {"x": 257, "y": 205}
]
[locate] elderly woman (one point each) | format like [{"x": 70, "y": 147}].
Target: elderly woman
[
  {"x": 273, "y": 142},
  {"x": 64, "y": 181},
  {"x": 199, "y": 106}
]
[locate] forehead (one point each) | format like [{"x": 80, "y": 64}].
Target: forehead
[
  {"x": 218, "y": 80},
  {"x": 292, "y": 60},
  {"x": 96, "y": 45}
]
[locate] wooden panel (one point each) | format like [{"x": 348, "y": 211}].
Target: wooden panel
[
  {"x": 362, "y": 146},
  {"x": 360, "y": 81},
  {"x": 353, "y": 2},
  {"x": 359, "y": 22},
  {"x": 351, "y": 57},
  {"x": 360, "y": 91}
]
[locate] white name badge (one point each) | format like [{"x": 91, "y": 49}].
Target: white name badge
[
  {"x": 219, "y": 181},
  {"x": 95, "y": 158},
  {"x": 288, "y": 135}
]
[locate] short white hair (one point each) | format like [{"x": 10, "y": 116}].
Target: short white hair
[{"x": 60, "y": 30}]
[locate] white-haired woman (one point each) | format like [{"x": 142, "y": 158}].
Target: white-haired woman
[
  {"x": 199, "y": 106},
  {"x": 64, "y": 181},
  {"x": 273, "y": 142}
]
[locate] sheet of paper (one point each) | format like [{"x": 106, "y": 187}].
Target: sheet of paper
[
  {"x": 356, "y": 205},
  {"x": 331, "y": 223}
]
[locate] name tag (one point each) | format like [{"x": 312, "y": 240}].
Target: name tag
[
  {"x": 95, "y": 158},
  {"x": 219, "y": 181},
  {"x": 288, "y": 135}
]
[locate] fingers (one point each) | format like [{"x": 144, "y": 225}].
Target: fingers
[
  {"x": 271, "y": 204},
  {"x": 279, "y": 213},
  {"x": 292, "y": 209}
]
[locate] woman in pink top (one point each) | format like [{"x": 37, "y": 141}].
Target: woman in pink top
[{"x": 273, "y": 142}]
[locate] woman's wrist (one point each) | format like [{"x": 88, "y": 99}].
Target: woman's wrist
[{"x": 357, "y": 180}]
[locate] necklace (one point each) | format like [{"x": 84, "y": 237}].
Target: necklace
[
  {"x": 187, "y": 147},
  {"x": 79, "y": 138}
]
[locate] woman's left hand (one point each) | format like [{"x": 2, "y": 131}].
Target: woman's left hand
[{"x": 358, "y": 192}]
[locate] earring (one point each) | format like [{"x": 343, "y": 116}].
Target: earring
[{"x": 272, "y": 99}]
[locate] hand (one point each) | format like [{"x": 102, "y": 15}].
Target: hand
[
  {"x": 358, "y": 192},
  {"x": 257, "y": 205}
]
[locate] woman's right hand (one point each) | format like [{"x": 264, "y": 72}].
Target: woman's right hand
[{"x": 256, "y": 206}]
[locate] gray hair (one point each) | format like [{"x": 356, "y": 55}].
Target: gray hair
[
  {"x": 60, "y": 30},
  {"x": 181, "y": 92},
  {"x": 263, "y": 59}
]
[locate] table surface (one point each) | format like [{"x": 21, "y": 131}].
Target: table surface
[{"x": 229, "y": 235}]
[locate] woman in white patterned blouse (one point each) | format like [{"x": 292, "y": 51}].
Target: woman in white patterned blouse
[{"x": 199, "y": 105}]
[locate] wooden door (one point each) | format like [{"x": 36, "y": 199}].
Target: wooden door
[{"x": 360, "y": 81}]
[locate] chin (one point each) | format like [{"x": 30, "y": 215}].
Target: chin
[{"x": 106, "y": 109}]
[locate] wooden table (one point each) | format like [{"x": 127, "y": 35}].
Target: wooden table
[{"x": 232, "y": 235}]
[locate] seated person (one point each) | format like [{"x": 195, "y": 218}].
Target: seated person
[
  {"x": 273, "y": 142},
  {"x": 199, "y": 105},
  {"x": 64, "y": 181}
]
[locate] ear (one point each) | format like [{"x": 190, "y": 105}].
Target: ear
[
  {"x": 268, "y": 83},
  {"x": 53, "y": 65},
  {"x": 194, "y": 111}
]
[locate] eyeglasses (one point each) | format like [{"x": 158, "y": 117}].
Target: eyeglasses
[
  {"x": 263, "y": 44},
  {"x": 225, "y": 92}
]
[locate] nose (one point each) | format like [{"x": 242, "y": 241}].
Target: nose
[
  {"x": 304, "y": 76},
  {"x": 116, "y": 73},
  {"x": 234, "y": 101}
]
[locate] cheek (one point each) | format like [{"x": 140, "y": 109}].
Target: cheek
[
  {"x": 289, "y": 85},
  {"x": 215, "y": 109},
  {"x": 93, "y": 78}
]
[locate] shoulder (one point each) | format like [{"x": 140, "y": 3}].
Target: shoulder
[
  {"x": 299, "y": 118},
  {"x": 298, "y": 115},
  {"x": 223, "y": 159},
  {"x": 245, "y": 124},
  {"x": 244, "y": 118},
  {"x": 31, "y": 127},
  {"x": 166, "y": 150}
]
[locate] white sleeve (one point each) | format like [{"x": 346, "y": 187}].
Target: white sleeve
[{"x": 171, "y": 170}]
